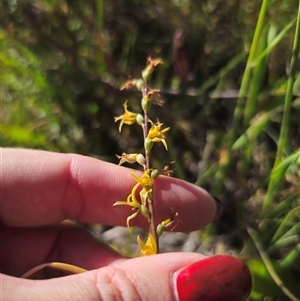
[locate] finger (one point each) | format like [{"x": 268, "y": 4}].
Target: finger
[
  {"x": 26, "y": 248},
  {"x": 40, "y": 188},
  {"x": 167, "y": 277}
]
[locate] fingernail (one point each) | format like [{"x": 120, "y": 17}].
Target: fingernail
[
  {"x": 215, "y": 278},
  {"x": 219, "y": 210}
]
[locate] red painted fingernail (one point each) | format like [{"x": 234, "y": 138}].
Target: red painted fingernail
[{"x": 215, "y": 278}]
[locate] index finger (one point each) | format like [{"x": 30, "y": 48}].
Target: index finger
[{"x": 41, "y": 188}]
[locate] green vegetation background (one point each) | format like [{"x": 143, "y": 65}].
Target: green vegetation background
[{"x": 63, "y": 62}]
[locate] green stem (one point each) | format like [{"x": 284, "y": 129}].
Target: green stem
[{"x": 99, "y": 12}]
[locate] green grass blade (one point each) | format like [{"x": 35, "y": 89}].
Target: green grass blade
[
  {"x": 235, "y": 127},
  {"x": 291, "y": 257},
  {"x": 281, "y": 168},
  {"x": 284, "y": 131},
  {"x": 256, "y": 82},
  {"x": 274, "y": 42},
  {"x": 287, "y": 222}
]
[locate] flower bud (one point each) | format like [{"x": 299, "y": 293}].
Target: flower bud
[
  {"x": 130, "y": 158},
  {"x": 160, "y": 229},
  {"x": 146, "y": 103},
  {"x": 148, "y": 144},
  {"x": 151, "y": 64},
  {"x": 140, "y": 119},
  {"x": 155, "y": 173},
  {"x": 144, "y": 210},
  {"x": 146, "y": 73},
  {"x": 139, "y": 84},
  {"x": 140, "y": 159}
]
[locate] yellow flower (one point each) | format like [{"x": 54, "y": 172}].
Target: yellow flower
[
  {"x": 127, "y": 118},
  {"x": 145, "y": 180},
  {"x": 132, "y": 202},
  {"x": 156, "y": 134},
  {"x": 149, "y": 248},
  {"x": 147, "y": 183}
]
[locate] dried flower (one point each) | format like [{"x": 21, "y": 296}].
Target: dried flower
[
  {"x": 167, "y": 170},
  {"x": 154, "y": 96},
  {"x": 129, "y": 84},
  {"x": 151, "y": 64},
  {"x": 131, "y": 158},
  {"x": 138, "y": 83},
  {"x": 168, "y": 222}
]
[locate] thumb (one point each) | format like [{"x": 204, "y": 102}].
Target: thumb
[{"x": 165, "y": 277}]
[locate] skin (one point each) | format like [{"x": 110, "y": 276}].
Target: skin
[{"x": 41, "y": 190}]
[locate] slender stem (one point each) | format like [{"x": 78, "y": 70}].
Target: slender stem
[
  {"x": 145, "y": 135},
  {"x": 145, "y": 128},
  {"x": 152, "y": 227}
]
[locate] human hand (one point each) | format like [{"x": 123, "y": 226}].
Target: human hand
[{"x": 40, "y": 190}]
